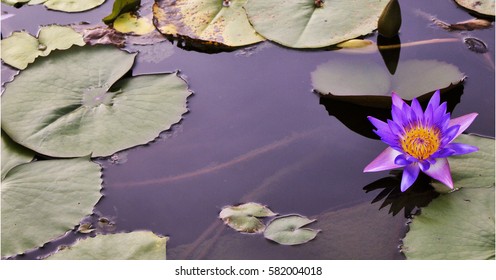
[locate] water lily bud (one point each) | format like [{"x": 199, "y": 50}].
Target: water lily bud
[{"x": 390, "y": 20}]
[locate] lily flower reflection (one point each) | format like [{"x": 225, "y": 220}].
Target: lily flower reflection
[{"x": 420, "y": 140}]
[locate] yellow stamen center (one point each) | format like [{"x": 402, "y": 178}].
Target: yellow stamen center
[{"x": 420, "y": 142}]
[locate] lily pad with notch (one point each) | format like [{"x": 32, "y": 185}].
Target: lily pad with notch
[
  {"x": 245, "y": 217},
  {"x": 137, "y": 245},
  {"x": 21, "y": 48},
  {"x": 42, "y": 200},
  {"x": 288, "y": 230},
  {"x": 308, "y": 24},
  {"x": 75, "y": 103}
]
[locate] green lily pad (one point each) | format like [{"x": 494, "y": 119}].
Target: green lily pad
[
  {"x": 244, "y": 217},
  {"x": 72, "y": 5},
  {"x": 206, "y": 21},
  {"x": 138, "y": 245},
  {"x": 412, "y": 79},
  {"x": 287, "y": 230},
  {"x": 474, "y": 170},
  {"x": 44, "y": 199},
  {"x": 61, "y": 5},
  {"x": 128, "y": 23},
  {"x": 120, "y": 7},
  {"x": 303, "y": 24},
  {"x": 13, "y": 154},
  {"x": 20, "y": 49},
  {"x": 484, "y": 7},
  {"x": 72, "y": 103},
  {"x": 458, "y": 225}
]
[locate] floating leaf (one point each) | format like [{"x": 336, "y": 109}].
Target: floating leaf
[
  {"x": 390, "y": 20},
  {"x": 20, "y": 49},
  {"x": 13, "y": 2},
  {"x": 72, "y": 103},
  {"x": 101, "y": 35},
  {"x": 355, "y": 43},
  {"x": 120, "y": 7},
  {"x": 458, "y": 225},
  {"x": 483, "y": 7},
  {"x": 128, "y": 23},
  {"x": 474, "y": 170},
  {"x": 287, "y": 230},
  {"x": 85, "y": 228},
  {"x": 303, "y": 24},
  {"x": 13, "y": 154},
  {"x": 244, "y": 217},
  {"x": 206, "y": 21},
  {"x": 72, "y": 5},
  {"x": 412, "y": 79},
  {"x": 44, "y": 199},
  {"x": 475, "y": 45},
  {"x": 138, "y": 245}
]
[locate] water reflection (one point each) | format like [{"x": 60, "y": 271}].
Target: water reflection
[
  {"x": 420, "y": 194},
  {"x": 354, "y": 116},
  {"x": 390, "y": 49}
]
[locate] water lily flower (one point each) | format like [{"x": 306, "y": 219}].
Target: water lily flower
[{"x": 420, "y": 140}]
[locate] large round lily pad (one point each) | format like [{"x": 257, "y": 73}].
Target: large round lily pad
[
  {"x": 244, "y": 217},
  {"x": 44, "y": 199},
  {"x": 207, "y": 21},
  {"x": 288, "y": 230},
  {"x": 484, "y": 7},
  {"x": 138, "y": 245},
  {"x": 303, "y": 24},
  {"x": 72, "y": 103},
  {"x": 412, "y": 79}
]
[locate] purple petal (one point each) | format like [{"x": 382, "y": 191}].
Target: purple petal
[
  {"x": 435, "y": 100},
  {"x": 417, "y": 109},
  {"x": 449, "y": 135},
  {"x": 445, "y": 152},
  {"x": 398, "y": 116},
  {"x": 380, "y": 125},
  {"x": 410, "y": 174},
  {"x": 439, "y": 115},
  {"x": 384, "y": 161},
  {"x": 402, "y": 160},
  {"x": 397, "y": 101},
  {"x": 424, "y": 165},
  {"x": 463, "y": 121},
  {"x": 395, "y": 128},
  {"x": 461, "y": 149},
  {"x": 441, "y": 172}
]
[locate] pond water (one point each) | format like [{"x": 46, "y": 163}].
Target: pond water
[{"x": 257, "y": 132}]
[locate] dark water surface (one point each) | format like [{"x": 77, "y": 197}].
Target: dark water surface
[{"x": 256, "y": 132}]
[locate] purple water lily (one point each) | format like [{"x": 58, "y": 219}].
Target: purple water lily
[{"x": 420, "y": 140}]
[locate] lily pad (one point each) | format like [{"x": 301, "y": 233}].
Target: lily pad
[
  {"x": 303, "y": 24},
  {"x": 206, "y": 21},
  {"x": 244, "y": 217},
  {"x": 458, "y": 225},
  {"x": 72, "y": 103},
  {"x": 72, "y": 5},
  {"x": 13, "y": 154},
  {"x": 412, "y": 79},
  {"x": 128, "y": 23},
  {"x": 42, "y": 200},
  {"x": 138, "y": 245},
  {"x": 474, "y": 170},
  {"x": 287, "y": 230},
  {"x": 483, "y": 7},
  {"x": 21, "y": 48},
  {"x": 120, "y": 7},
  {"x": 13, "y": 2}
]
